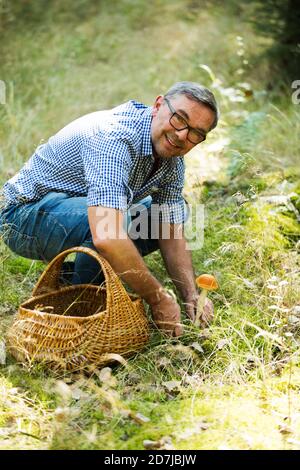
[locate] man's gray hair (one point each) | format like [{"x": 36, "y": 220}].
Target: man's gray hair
[{"x": 197, "y": 93}]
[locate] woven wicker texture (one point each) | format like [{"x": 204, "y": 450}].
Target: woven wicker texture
[{"x": 77, "y": 326}]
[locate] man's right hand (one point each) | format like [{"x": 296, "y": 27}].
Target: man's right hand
[
  {"x": 123, "y": 256},
  {"x": 166, "y": 315}
]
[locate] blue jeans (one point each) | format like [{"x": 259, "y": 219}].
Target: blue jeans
[{"x": 43, "y": 229}]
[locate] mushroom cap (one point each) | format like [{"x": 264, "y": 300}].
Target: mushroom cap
[{"x": 207, "y": 281}]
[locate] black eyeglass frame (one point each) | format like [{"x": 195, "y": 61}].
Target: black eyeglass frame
[{"x": 174, "y": 113}]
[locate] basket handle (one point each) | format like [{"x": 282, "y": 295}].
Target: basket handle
[{"x": 49, "y": 279}]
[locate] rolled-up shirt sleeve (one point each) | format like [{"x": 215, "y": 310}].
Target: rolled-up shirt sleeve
[{"x": 107, "y": 164}]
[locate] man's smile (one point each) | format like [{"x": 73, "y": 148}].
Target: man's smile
[{"x": 173, "y": 144}]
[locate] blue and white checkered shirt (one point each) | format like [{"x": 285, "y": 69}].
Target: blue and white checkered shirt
[{"x": 106, "y": 156}]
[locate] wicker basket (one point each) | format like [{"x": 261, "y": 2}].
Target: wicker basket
[{"x": 76, "y": 326}]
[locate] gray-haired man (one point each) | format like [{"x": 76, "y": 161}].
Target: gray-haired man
[{"x": 93, "y": 171}]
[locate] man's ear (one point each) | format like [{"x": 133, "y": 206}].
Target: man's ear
[{"x": 157, "y": 104}]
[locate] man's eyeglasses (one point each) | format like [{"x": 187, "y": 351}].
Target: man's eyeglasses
[{"x": 179, "y": 123}]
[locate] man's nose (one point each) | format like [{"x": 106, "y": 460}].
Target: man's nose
[{"x": 182, "y": 134}]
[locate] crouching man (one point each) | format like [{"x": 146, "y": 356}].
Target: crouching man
[{"x": 98, "y": 168}]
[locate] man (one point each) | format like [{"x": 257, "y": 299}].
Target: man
[{"x": 98, "y": 167}]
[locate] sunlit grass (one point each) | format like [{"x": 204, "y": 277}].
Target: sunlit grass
[{"x": 102, "y": 60}]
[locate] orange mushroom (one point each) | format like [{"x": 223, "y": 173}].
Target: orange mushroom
[{"x": 205, "y": 282}]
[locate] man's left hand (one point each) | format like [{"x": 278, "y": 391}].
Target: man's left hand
[{"x": 207, "y": 314}]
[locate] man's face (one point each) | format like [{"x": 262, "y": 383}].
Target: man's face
[{"x": 168, "y": 142}]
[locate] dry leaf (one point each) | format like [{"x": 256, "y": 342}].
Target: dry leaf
[
  {"x": 192, "y": 380},
  {"x": 78, "y": 394},
  {"x": 151, "y": 444},
  {"x": 106, "y": 377},
  {"x": 92, "y": 434},
  {"x": 172, "y": 385},
  {"x": 204, "y": 334},
  {"x": 163, "y": 362},
  {"x": 139, "y": 417},
  {"x": 197, "y": 347},
  {"x": 296, "y": 310},
  {"x": 105, "y": 374},
  {"x": 293, "y": 320},
  {"x": 163, "y": 443},
  {"x": 248, "y": 283},
  {"x": 62, "y": 413},
  {"x": 63, "y": 390},
  {"x": 285, "y": 429},
  {"x": 133, "y": 378},
  {"x": 192, "y": 430},
  {"x": 222, "y": 343}
]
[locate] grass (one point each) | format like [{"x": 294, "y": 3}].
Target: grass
[{"x": 234, "y": 385}]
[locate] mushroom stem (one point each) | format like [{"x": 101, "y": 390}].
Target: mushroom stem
[{"x": 200, "y": 306}]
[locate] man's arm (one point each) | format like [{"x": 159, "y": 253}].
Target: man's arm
[
  {"x": 178, "y": 261},
  {"x": 179, "y": 265},
  {"x": 110, "y": 239}
]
